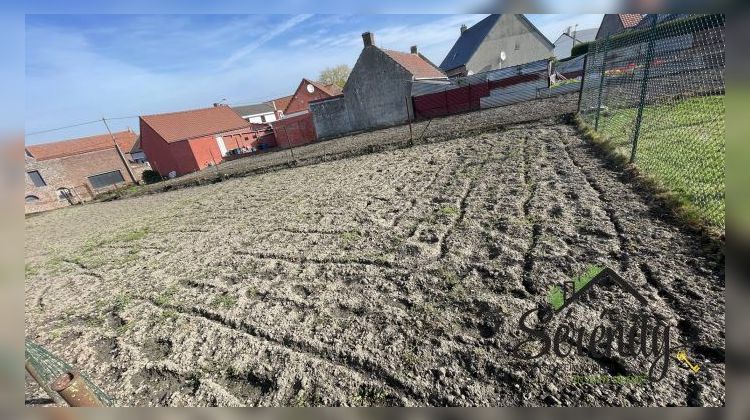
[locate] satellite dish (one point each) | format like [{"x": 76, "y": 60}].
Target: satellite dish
[
  {"x": 502, "y": 55},
  {"x": 310, "y": 88}
]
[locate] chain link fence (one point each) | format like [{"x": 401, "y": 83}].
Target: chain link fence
[{"x": 655, "y": 93}]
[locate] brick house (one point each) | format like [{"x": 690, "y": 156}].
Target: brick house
[
  {"x": 71, "y": 171},
  {"x": 296, "y": 127},
  {"x": 616, "y": 23},
  {"x": 182, "y": 142}
]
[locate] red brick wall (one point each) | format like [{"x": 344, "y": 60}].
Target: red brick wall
[
  {"x": 157, "y": 151},
  {"x": 205, "y": 152},
  {"x": 294, "y": 131},
  {"x": 302, "y": 98}
]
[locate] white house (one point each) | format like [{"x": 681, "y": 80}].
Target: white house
[{"x": 256, "y": 113}]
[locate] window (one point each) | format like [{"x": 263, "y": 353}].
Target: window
[
  {"x": 106, "y": 179},
  {"x": 32, "y": 199},
  {"x": 36, "y": 178},
  {"x": 262, "y": 118},
  {"x": 518, "y": 46}
]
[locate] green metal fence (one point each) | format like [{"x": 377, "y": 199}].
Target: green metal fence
[{"x": 656, "y": 93}]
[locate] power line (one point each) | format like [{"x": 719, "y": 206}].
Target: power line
[
  {"x": 77, "y": 125},
  {"x": 63, "y": 128}
]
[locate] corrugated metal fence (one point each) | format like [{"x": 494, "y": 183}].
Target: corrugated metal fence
[{"x": 496, "y": 87}]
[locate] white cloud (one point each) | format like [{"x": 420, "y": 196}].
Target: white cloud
[{"x": 280, "y": 29}]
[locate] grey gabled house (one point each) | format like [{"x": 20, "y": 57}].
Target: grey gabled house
[
  {"x": 377, "y": 92},
  {"x": 497, "y": 41}
]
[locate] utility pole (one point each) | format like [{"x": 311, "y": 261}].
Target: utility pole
[{"x": 119, "y": 152}]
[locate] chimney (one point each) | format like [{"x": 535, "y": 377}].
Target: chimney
[
  {"x": 463, "y": 29},
  {"x": 368, "y": 38},
  {"x": 414, "y": 49}
]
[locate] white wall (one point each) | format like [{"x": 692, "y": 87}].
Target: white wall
[{"x": 269, "y": 117}]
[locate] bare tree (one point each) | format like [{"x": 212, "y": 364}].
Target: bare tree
[{"x": 335, "y": 75}]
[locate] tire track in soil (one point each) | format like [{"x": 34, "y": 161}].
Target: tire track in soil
[
  {"x": 462, "y": 204},
  {"x": 675, "y": 304},
  {"x": 345, "y": 361},
  {"x": 413, "y": 201},
  {"x": 624, "y": 257},
  {"x": 536, "y": 228}
]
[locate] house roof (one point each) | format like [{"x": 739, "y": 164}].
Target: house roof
[
  {"x": 468, "y": 43},
  {"x": 629, "y": 19},
  {"x": 58, "y": 149},
  {"x": 581, "y": 35},
  {"x": 183, "y": 125},
  {"x": 472, "y": 38},
  {"x": 648, "y": 20},
  {"x": 416, "y": 64},
  {"x": 281, "y": 103},
  {"x": 253, "y": 109},
  {"x": 565, "y": 42},
  {"x": 329, "y": 89}
]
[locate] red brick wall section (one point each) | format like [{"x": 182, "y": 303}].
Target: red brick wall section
[
  {"x": 295, "y": 131},
  {"x": 205, "y": 151},
  {"x": 157, "y": 151},
  {"x": 240, "y": 138}
]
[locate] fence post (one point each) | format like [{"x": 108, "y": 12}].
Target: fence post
[
  {"x": 601, "y": 83},
  {"x": 644, "y": 88},
  {"x": 583, "y": 80},
  {"x": 408, "y": 118}
]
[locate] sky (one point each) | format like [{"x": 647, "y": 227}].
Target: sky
[{"x": 80, "y": 68}]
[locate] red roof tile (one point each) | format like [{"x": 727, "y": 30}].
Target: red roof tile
[
  {"x": 629, "y": 19},
  {"x": 415, "y": 64},
  {"x": 330, "y": 89},
  {"x": 183, "y": 125},
  {"x": 58, "y": 149},
  {"x": 282, "y": 103}
]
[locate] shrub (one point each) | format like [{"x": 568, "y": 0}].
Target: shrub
[
  {"x": 580, "y": 49},
  {"x": 150, "y": 176}
]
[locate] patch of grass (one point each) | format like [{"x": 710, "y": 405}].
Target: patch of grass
[
  {"x": 449, "y": 210},
  {"x": 94, "y": 322},
  {"x": 681, "y": 150},
  {"x": 223, "y": 301},
  {"x": 350, "y": 236},
  {"x": 31, "y": 269},
  {"x": 122, "y": 329},
  {"x": 164, "y": 316},
  {"x": 133, "y": 235},
  {"x": 303, "y": 400},
  {"x": 121, "y": 301},
  {"x": 251, "y": 291},
  {"x": 458, "y": 293},
  {"x": 165, "y": 298},
  {"x": 369, "y": 396}
]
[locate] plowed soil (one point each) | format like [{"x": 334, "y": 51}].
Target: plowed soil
[{"x": 393, "y": 278}]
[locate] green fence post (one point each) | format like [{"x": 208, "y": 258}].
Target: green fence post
[
  {"x": 583, "y": 81},
  {"x": 601, "y": 83},
  {"x": 644, "y": 88}
]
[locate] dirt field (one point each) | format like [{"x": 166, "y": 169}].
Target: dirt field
[{"x": 394, "y": 278}]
